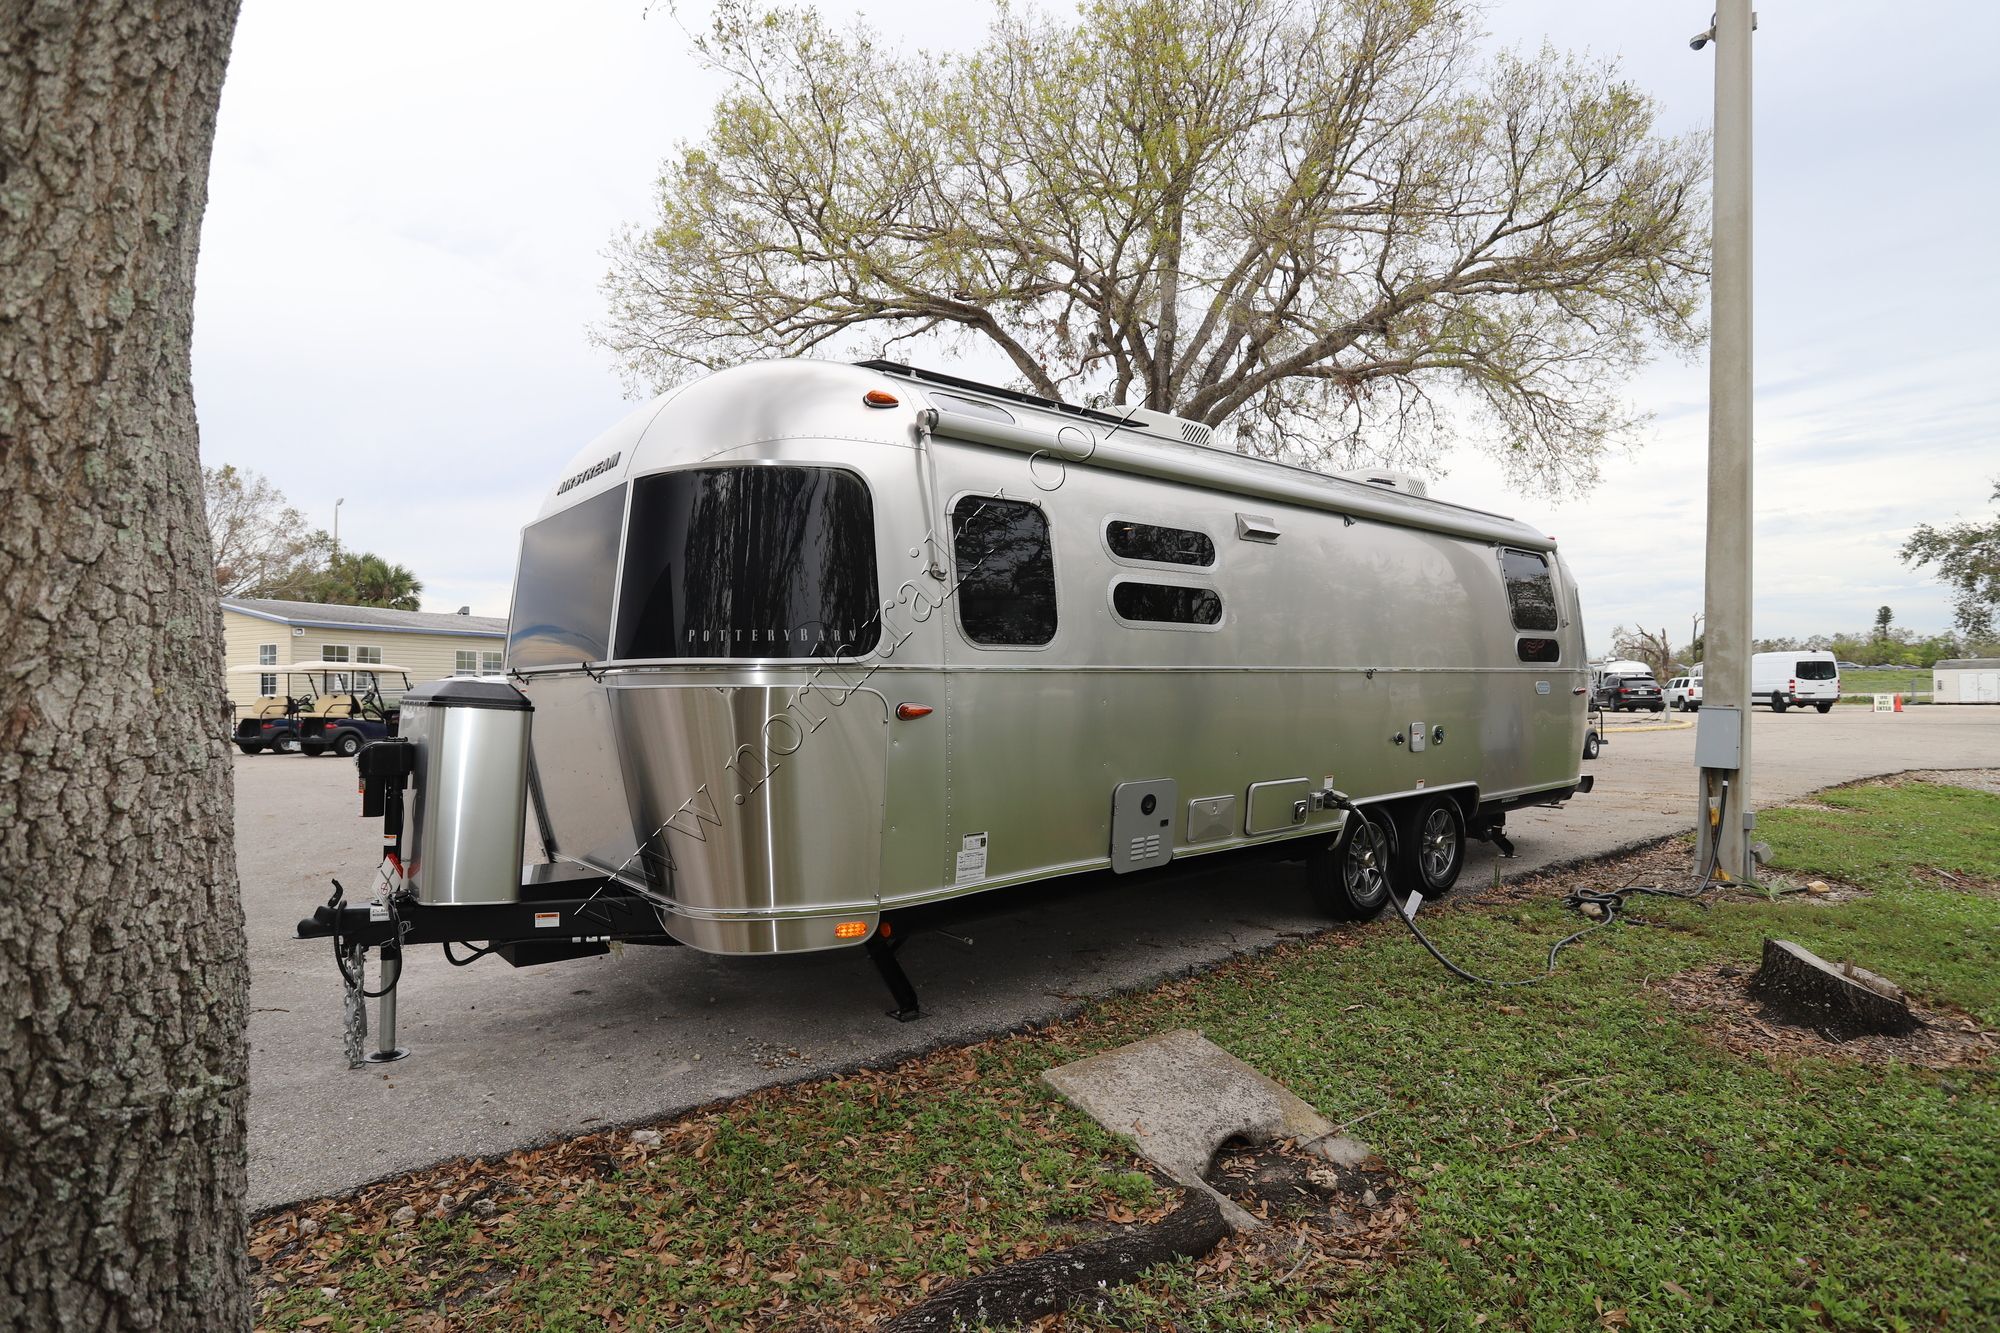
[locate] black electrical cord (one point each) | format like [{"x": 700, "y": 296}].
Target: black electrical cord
[
  {"x": 470, "y": 958},
  {"x": 1610, "y": 902}
]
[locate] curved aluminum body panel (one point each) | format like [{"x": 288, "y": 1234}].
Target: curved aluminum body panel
[{"x": 1352, "y": 636}]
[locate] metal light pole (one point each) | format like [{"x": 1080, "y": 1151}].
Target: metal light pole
[
  {"x": 336, "y": 523},
  {"x": 1722, "y": 740}
]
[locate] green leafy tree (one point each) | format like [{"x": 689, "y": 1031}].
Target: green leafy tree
[
  {"x": 1309, "y": 222},
  {"x": 1967, "y": 556},
  {"x": 364, "y": 579}
]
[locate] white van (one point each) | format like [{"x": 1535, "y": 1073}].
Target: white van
[{"x": 1795, "y": 679}]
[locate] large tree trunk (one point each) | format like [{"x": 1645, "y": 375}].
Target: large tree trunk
[{"x": 122, "y": 976}]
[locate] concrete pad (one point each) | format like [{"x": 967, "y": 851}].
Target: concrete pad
[{"x": 1178, "y": 1097}]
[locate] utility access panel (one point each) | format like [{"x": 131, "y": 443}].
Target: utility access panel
[{"x": 1142, "y": 824}]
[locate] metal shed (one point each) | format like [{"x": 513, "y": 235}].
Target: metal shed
[{"x": 1966, "y": 680}]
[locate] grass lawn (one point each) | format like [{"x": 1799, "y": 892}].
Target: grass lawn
[
  {"x": 1577, "y": 1154},
  {"x": 1905, "y": 681}
]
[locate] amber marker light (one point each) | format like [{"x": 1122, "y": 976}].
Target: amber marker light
[
  {"x": 911, "y": 712},
  {"x": 850, "y": 930},
  {"x": 880, "y": 398}
]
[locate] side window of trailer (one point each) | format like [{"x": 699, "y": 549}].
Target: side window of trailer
[
  {"x": 562, "y": 595},
  {"x": 1166, "y": 604},
  {"x": 1531, "y": 590},
  {"x": 1006, "y": 571},
  {"x": 754, "y": 561},
  {"x": 1131, "y": 540}
]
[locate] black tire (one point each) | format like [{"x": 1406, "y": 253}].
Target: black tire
[
  {"x": 347, "y": 745},
  {"x": 1777, "y": 703},
  {"x": 1353, "y": 878},
  {"x": 1824, "y": 708},
  {"x": 250, "y": 747},
  {"x": 312, "y": 751},
  {"x": 1659, "y": 708},
  {"x": 1590, "y": 745},
  {"x": 1430, "y": 847}
]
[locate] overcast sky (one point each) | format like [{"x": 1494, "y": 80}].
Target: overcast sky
[{"x": 410, "y": 206}]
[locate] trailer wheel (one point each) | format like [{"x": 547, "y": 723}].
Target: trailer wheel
[
  {"x": 1351, "y": 880},
  {"x": 1431, "y": 851}
]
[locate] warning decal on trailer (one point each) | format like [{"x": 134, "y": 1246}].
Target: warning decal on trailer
[
  {"x": 547, "y": 920},
  {"x": 971, "y": 859}
]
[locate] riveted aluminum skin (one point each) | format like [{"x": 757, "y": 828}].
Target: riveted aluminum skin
[{"x": 764, "y": 801}]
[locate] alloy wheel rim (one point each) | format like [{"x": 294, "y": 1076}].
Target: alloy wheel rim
[
  {"x": 1362, "y": 867},
  {"x": 1437, "y": 850}
]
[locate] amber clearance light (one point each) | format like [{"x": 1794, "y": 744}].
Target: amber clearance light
[
  {"x": 911, "y": 712},
  {"x": 850, "y": 930},
  {"x": 880, "y": 398}
]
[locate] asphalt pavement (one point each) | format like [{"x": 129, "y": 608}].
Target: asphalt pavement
[{"x": 504, "y": 1057}]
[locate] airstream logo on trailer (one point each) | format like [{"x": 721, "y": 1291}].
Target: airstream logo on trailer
[{"x": 596, "y": 469}]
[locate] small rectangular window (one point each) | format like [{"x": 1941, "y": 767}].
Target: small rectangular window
[
  {"x": 465, "y": 662},
  {"x": 492, "y": 664},
  {"x": 1531, "y": 592},
  {"x": 1006, "y": 591},
  {"x": 334, "y": 652},
  {"x": 267, "y": 685},
  {"x": 368, "y": 657},
  {"x": 1538, "y": 650},
  {"x": 1166, "y": 604},
  {"x": 267, "y": 654},
  {"x": 1168, "y": 546}
]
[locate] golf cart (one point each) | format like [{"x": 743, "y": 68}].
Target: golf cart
[
  {"x": 271, "y": 723},
  {"x": 339, "y": 707},
  {"x": 354, "y": 706}
]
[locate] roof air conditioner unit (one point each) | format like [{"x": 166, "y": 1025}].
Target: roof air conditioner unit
[{"x": 1388, "y": 480}]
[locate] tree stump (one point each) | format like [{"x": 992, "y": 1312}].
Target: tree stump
[{"x": 1845, "y": 999}]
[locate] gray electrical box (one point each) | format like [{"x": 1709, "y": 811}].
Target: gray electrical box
[
  {"x": 1718, "y": 738},
  {"x": 1416, "y": 738},
  {"x": 1142, "y": 824}
]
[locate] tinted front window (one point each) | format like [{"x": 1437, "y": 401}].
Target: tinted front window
[
  {"x": 1006, "y": 591},
  {"x": 1816, "y": 671},
  {"x": 1531, "y": 593},
  {"x": 1172, "y": 546},
  {"x": 749, "y": 562},
  {"x": 1167, "y": 604},
  {"x": 562, "y": 594}
]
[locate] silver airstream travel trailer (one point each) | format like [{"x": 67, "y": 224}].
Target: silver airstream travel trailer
[{"x": 808, "y": 645}]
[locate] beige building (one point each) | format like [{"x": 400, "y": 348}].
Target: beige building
[{"x": 430, "y": 645}]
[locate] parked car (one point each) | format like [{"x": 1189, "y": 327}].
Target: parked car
[
  {"x": 1683, "y": 693},
  {"x": 1618, "y": 694}
]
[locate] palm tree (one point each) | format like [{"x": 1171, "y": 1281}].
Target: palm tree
[{"x": 366, "y": 579}]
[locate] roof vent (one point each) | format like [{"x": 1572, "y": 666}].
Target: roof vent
[
  {"x": 1388, "y": 480},
  {"x": 1165, "y": 423},
  {"x": 465, "y": 610}
]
